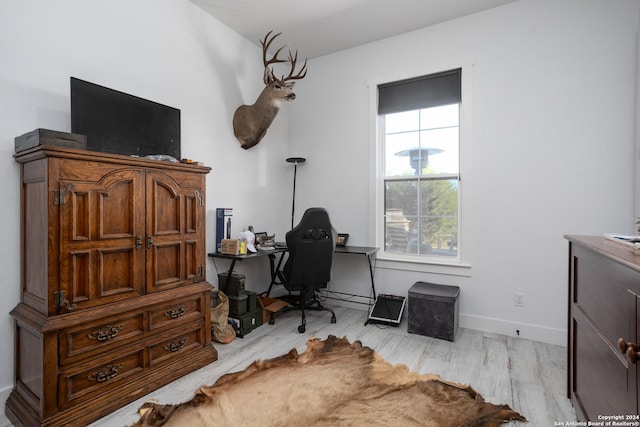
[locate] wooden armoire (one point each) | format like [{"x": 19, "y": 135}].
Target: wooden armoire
[{"x": 114, "y": 301}]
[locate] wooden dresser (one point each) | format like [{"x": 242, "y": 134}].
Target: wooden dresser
[
  {"x": 604, "y": 337},
  {"x": 114, "y": 302}
]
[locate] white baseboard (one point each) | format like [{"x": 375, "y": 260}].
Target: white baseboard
[
  {"x": 497, "y": 326},
  {"x": 514, "y": 329}
]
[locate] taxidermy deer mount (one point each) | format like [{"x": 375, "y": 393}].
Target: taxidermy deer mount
[{"x": 250, "y": 122}]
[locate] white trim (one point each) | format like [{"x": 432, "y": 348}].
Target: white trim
[
  {"x": 465, "y": 185},
  {"x": 386, "y": 261},
  {"x": 374, "y": 165},
  {"x": 507, "y": 327},
  {"x": 487, "y": 324}
]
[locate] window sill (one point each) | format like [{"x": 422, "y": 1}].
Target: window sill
[{"x": 453, "y": 267}]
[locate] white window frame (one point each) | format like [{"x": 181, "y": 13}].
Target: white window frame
[{"x": 461, "y": 264}]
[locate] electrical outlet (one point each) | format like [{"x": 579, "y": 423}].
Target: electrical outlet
[{"x": 518, "y": 299}]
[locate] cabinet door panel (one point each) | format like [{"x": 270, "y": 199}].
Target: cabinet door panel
[
  {"x": 175, "y": 247},
  {"x": 80, "y": 227},
  {"x": 166, "y": 215},
  {"x": 193, "y": 204},
  {"x": 116, "y": 211},
  {"x": 117, "y": 271},
  {"x": 102, "y": 227},
  {"x": 166, "y": 264},
  {"x": 194, "y": 237},
  {"x": 193, "y": 263},
  {"x": 80, "y": 271}
]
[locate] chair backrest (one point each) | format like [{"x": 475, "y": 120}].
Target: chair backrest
[{"x": 311, "y": 244}]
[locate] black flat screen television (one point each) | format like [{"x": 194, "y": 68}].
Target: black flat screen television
[{"x": 119, "y": 123}]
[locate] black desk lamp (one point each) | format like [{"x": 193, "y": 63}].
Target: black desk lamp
[{"x": 295, "y": 161}]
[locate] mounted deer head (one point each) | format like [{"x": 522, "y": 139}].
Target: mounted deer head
[{"x": 250, "y": 122}]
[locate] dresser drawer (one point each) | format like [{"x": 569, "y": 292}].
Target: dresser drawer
[
  {"x": 98, "y": 336},
  {"x": 177, "y": 343},
  {"x": 176, "y": 312},
  {"x": 600, "y": 289},
  {"x": 86, "y": 381}
]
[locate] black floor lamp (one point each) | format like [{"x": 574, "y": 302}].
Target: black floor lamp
[{"x": 295, "y": 161}]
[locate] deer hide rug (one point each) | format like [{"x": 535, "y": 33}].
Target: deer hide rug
[{"x": 332, "y": 383}]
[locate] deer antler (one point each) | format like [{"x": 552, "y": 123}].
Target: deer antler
[
  {"x": 303, "y": 71},
  {"x": 268, "y": 72}
]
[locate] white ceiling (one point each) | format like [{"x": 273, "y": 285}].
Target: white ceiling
[{"x": 319, "y": 27}]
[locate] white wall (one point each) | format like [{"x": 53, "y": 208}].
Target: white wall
[
  {"x": 168, "y": 51},
  {"x": 553, "y": 119}
]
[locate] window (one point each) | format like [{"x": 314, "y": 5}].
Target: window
[{"x": 419, "y": 136}]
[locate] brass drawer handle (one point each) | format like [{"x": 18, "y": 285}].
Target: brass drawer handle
[
  {"x": 105, "y": 333},
  {"x": 176, "y": 345},
  {"x": 175, "y": 312},
  {"x": 106, "y": 373}
]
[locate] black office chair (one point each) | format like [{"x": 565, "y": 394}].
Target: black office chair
[{"x": 308, "y": 268}]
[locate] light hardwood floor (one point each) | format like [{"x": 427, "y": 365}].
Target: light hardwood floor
[{"x": 528, "y": 376}]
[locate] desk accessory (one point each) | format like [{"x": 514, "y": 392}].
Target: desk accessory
[
  {"x": 342, "y": 238},
  {"x": 260, "y": 236},
  {"x": 387, "y": 310}
]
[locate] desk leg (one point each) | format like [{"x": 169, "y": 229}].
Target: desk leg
[
  {"x": 373, "y": 285},
  {"x": 275, "y": 271}
]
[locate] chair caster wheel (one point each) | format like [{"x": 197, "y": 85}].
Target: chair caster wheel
[
  {"x": 301, "y": 329},
  {"x": 272, "y": 322},
  {"x": 333, "y": 319}
]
